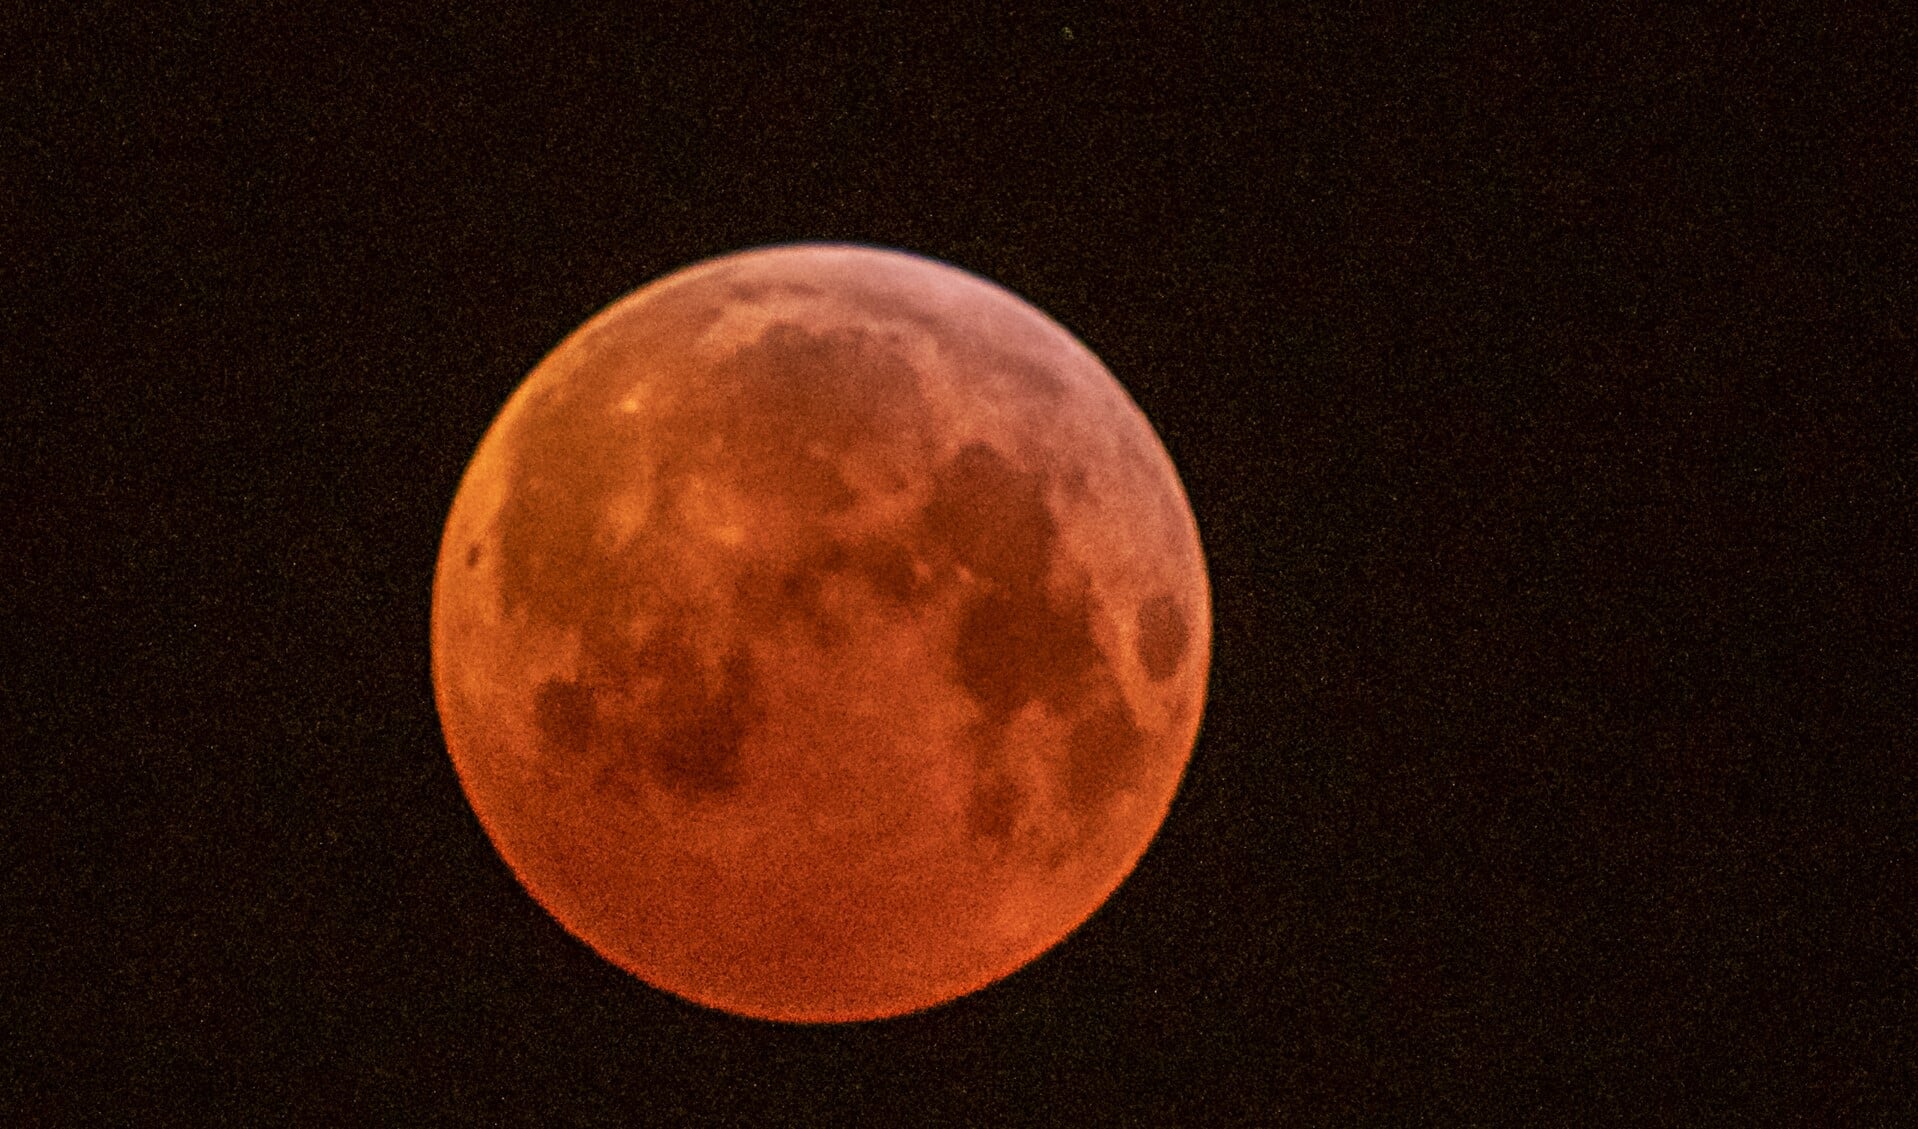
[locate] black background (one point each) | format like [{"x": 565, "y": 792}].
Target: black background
[{"x": 1543, "y": 389}]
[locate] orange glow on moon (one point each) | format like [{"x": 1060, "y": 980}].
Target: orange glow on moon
[{"x": 820, "y": 633}]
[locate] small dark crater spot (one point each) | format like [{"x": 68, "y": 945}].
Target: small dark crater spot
[
  {"x": 1163, "y": 637},
  {"x": 563, "y": 713},
  {"x": 473, "y": 557}
]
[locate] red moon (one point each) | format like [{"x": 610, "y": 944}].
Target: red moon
[{"x": 820, "y": 633}]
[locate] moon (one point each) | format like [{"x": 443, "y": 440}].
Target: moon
[{"x": 820, "y": 633}]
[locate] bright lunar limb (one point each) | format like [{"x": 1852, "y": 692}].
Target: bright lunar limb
[{"x": 820, "y": 633}]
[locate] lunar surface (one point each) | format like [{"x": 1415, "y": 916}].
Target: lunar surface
[{"x": 820, "y": 633}]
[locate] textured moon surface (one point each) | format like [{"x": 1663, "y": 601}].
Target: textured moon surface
[{"x": 820, "y": 633}]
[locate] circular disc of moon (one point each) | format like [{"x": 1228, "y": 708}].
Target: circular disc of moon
[{"x": 820, "y": 633}]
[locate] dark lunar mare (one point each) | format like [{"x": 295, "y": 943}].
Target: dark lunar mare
[
  {"x": 781, "y": 406},
  {"x": 1164, "y": 636},
  {"x": 1017, "y": 642}
]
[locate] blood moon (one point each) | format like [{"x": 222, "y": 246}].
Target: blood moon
[{"x": 820, "y": 633}]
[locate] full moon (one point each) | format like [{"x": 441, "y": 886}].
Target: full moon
[{"x": 820, "y": 633}]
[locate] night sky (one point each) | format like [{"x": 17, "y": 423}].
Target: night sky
[{"x": 1545, "y": 391}]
